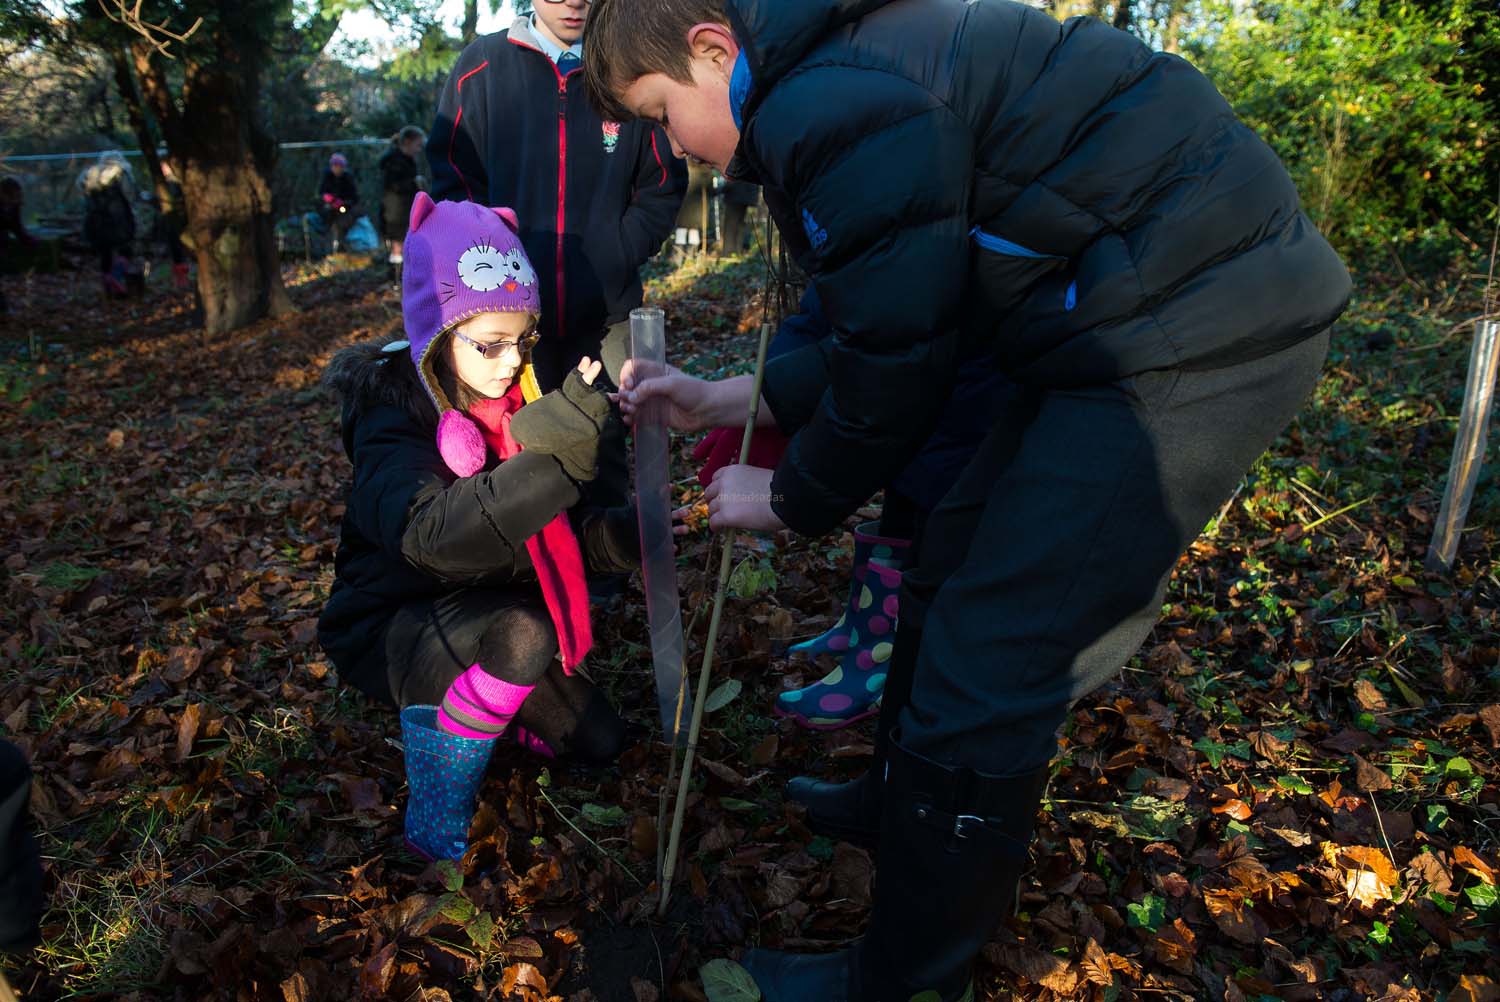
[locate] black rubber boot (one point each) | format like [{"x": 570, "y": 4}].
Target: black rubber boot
[
  {"x": 851, "y": 811},
  {"x": 953, "y": 844},
  {"x": 20, "y": 861}
]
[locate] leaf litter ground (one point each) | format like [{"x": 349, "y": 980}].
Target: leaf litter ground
[{"x": 1288, "y": 794}]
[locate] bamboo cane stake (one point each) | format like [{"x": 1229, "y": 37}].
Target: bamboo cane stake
[{"x": 695, "y": 726}]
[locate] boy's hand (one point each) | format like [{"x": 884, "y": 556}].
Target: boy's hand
[
  {"x": 689, "y": 400},
  {"x": 739, "y": 497},
  {"x": 565, "y": 423}
]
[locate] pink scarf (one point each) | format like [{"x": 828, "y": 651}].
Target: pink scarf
[{"x": 554, "y": 551}]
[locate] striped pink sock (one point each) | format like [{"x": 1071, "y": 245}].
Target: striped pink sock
[{"x": 478, "y": 705}]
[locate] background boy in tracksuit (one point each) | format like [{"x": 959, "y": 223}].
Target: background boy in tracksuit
[
  {"x": 957, "y": 175},
  {"x": 595, "y": 198}
]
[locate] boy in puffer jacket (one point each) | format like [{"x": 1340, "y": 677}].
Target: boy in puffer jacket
[{"x": 974, "y": 179}]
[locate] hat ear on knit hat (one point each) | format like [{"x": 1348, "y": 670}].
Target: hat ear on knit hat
[
  {"x": 509, "y": 215},
  {"x": 462, "y": 260}
]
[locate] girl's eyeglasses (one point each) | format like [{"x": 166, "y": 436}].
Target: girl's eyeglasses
[{"x": 497, "y": 349}]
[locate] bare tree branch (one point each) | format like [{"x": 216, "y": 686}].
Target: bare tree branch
[{"x": 158, "y": 35}]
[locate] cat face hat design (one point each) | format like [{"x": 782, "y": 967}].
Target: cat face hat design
[{"x": 462, "y": 260}]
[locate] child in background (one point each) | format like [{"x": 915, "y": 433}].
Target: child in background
[
  {"x": 171, "y": 221},
  {"x": 400, "y": 179},
  {"x": 965, "y": 181},
  {"x": 109, "y": 194},
  {"x": 460, "y": 574}
]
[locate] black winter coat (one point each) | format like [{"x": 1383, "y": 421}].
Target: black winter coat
[
  {"x": 340, "y": 186},
  {"x": 398, "y": 189},
  {"x": 413, "y": 530},
  {"x": 595, "y": 199},
  {"x": 1126, "y": 220},
  {"x": 109, "y": 219}
]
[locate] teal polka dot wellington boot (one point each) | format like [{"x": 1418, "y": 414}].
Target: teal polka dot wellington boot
[
  {"x": 851, "y": 691},
  {"x": 886, "y": 550},
  {"x": 443, "y": 773}
]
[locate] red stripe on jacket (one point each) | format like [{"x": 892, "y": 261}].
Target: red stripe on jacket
[
  {"x": 657, "y": 154},
  {"x": 458, "y": 93}
]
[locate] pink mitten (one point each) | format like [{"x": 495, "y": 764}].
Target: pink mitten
[{"x": 461, "y": 445}]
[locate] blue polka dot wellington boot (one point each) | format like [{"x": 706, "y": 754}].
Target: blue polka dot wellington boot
[
  {"x": 443, "y": 772},
  {"x": 867, "y": 545},
  {"x": 862, "y": 637}
]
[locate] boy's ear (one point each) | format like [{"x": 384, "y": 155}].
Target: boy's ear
[
  {"x": 715, "y": 41},
  {"x": 421, "y": 208},
  {"x": 509, "y": 215}
]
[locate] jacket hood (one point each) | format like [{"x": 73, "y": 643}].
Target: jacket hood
[
  {"x": 366, "y": 375},
  {"x": 776, "y": 34}
]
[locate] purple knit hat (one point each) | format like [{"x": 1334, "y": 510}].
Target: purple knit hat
[{"x": 462, "y": 260}]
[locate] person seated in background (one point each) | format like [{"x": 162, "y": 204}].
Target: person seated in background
[{"x": 340, "y": 196}]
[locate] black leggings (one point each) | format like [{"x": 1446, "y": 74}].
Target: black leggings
[
  {"x": 899, "y": 515},
  {"x": 509, "y": 633}
]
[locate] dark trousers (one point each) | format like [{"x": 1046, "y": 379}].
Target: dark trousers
[
  {"x": 508, "y": 631},
  {"x": 1043, "y": 569}
]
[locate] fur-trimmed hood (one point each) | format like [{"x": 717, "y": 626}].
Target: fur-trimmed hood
[{"x": 365, "y": 375}]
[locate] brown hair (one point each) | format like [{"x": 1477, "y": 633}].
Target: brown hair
[
  {"x": 623, "y": 40},
  {"x": 408, "y": 132},
  {"x": 459, "y": 393}
]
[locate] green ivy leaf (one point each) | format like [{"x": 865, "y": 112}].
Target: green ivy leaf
[
  {"x": 1482, "y": 896},
  {"x": 726, "y": 981},
  {"x": 723, "y": 695},
  {"x": 481, "y": 931},
  {"x": 1217, "y": 751},
  {"x": 604, "y": 817},
  {"x": 456, "y": 908},
  {"x": 1148, "y": 913},
  {"x": 451, "y": 876}
]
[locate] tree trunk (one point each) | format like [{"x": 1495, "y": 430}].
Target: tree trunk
[
  {"x": 471, "y": 21},
  {"x": 1172, "y": 29},
  {"x": 1122, "y": 15},
  {"x": 223, "y": 159},
  {"x": 135, "y": 110}
]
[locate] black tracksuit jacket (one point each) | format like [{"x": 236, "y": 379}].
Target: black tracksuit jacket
[{"x": 595, "y": 199}]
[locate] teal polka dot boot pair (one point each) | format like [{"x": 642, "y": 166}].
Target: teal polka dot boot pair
[
  {"x": 862, "y": 638},
  {"x": 443, "y": 773}
]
